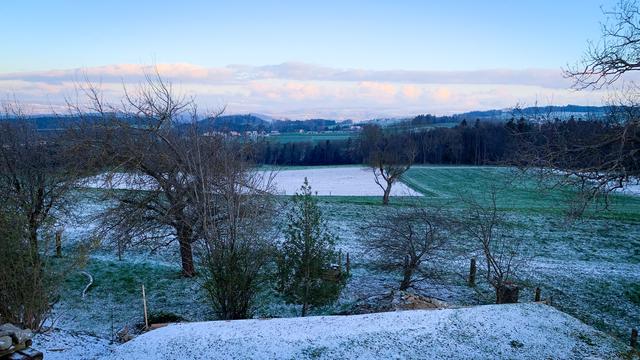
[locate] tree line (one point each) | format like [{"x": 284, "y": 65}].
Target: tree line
[{"x": 476, "y": 143}]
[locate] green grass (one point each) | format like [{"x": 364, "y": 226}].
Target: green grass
[
  {"x": 116, "y": 294},
  {"x": 516, "y": 191},
  {"x": 409, "y": 127}
]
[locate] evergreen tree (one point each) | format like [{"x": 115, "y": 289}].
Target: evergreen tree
[{"x": 306, "y": 275}]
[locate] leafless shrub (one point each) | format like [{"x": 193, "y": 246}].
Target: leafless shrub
[
  {"x": 488, "y": 227},
  {"x": 235, "y": 211},
  {"x": 405, "y": 238}
]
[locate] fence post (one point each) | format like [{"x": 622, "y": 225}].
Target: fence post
[
  {"x": 472, "y": 272},
  {"x": 537, "y": 297},
  {"x": 59, "y": 243},
  {"x": 144, "y": 305},
  {"x": 348, "y": 265}
]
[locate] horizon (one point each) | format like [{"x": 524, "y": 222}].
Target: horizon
[{"x": 337, "y": 60}]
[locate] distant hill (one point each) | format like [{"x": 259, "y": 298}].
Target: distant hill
[
  {"x": 250, "y": 122},
  {"x": 561, "y": 112},
  {"x": 259, "y": 122}
]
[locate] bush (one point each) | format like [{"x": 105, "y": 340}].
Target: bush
[
  {"x": 305, "y": 271},
  {"x": 28, "y": 284}
]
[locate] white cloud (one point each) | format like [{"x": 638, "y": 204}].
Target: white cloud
[{"x": 305, "y": 90}]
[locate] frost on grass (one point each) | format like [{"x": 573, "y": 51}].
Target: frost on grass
[
  {"x": 591, "y": 267},
  {"x": 64, "y": 345}
]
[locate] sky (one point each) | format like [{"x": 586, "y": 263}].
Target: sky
[{"x": 303, "y": 59}]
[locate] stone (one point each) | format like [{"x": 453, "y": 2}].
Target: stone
[
  {"x": 18, "y": 335},
  {"x": 5, "y": 342}
]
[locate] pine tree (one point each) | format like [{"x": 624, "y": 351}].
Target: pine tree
[{"x": 305, "y": 266}]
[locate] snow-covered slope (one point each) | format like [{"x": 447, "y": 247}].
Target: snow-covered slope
[{"x": 519, "y": 331}]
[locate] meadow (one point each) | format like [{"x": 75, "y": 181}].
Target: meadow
[{"x": 311, "y": 136}]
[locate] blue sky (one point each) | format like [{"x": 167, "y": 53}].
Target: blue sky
[{"x": 452, "y": 37}]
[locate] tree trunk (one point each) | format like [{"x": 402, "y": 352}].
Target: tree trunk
[
  {"x": 408, "y": 273},
  {"x": 387, "y": 192},
  {"x": 58, "y": 243},
  {"x": 186, "y": 252},
  {"x": 507, "y": 294},
  {"x": 33, "y": 238}
]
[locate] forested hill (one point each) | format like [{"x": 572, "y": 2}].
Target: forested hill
[
  {"x": 243, "y": 123},
  {"x": 561, "y": 112},
  {"x": 250, "y": 122}
]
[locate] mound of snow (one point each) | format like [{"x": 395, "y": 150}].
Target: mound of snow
[{"x": 522, "y": 331}]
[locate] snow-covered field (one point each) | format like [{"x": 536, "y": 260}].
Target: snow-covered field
[
  {"x": 330, "y": 181},
  {"x": 519, "y": 331},
  {"x": 337, "y": 181}
]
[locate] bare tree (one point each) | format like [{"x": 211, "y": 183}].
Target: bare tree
[
  {"x": 616, "y": 53},
  {"x": 389, "y": 155},
  {"x": 144, "y": 143},
  {"x": 406, "y": 238},
  {"x": 37, "y": 170},
  {"x": 234, "y": 209},
  {"x": 608, "y": 158},
  {"x": 488, "y": 227}
]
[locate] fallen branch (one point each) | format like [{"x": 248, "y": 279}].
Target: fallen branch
[{"x": 84, "y": 292}]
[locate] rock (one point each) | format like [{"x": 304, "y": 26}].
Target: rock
[
  {"x": 5, "y": 342},
  {"x": 18, "y": 335}
]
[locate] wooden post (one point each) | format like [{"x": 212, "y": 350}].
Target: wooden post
[
  {"x": 634, "y": 338},
  {"x": 144, "y": 304},
  {"x": 472, "y": 272},
  {"x": 340, "y": 262},
  {"x": 59, "y": 243},
  {"x": 348, "y": 265},
  {"x": 537, "y": 297}
]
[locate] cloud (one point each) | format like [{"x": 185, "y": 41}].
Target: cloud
[
  {"x": 551, "y": 78},
  {"x": 306, "y": 90},
  {"x": 381, "y": 91},
  {"x": 442, "y": 94},
  {"x": 411, "y": 91}
]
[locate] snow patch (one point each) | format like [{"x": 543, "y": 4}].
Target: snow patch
[
  {"x": 329, "y": 181},
  {"x": 523, "y": 331}
]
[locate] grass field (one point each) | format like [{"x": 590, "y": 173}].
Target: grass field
[
  {"x": 591, "y": 267},
  {"x": 312, "y": 136},
  {"x": 515, "y": 191}
]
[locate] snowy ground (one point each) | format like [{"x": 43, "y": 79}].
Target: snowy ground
[
  {"x": 590, "y": 267},
  {"x": 65, "y": 345},
  {"x": 330, "y": 181},
  {"x": 337, "y": 181},
  {"x": 522, "y": 331}
]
